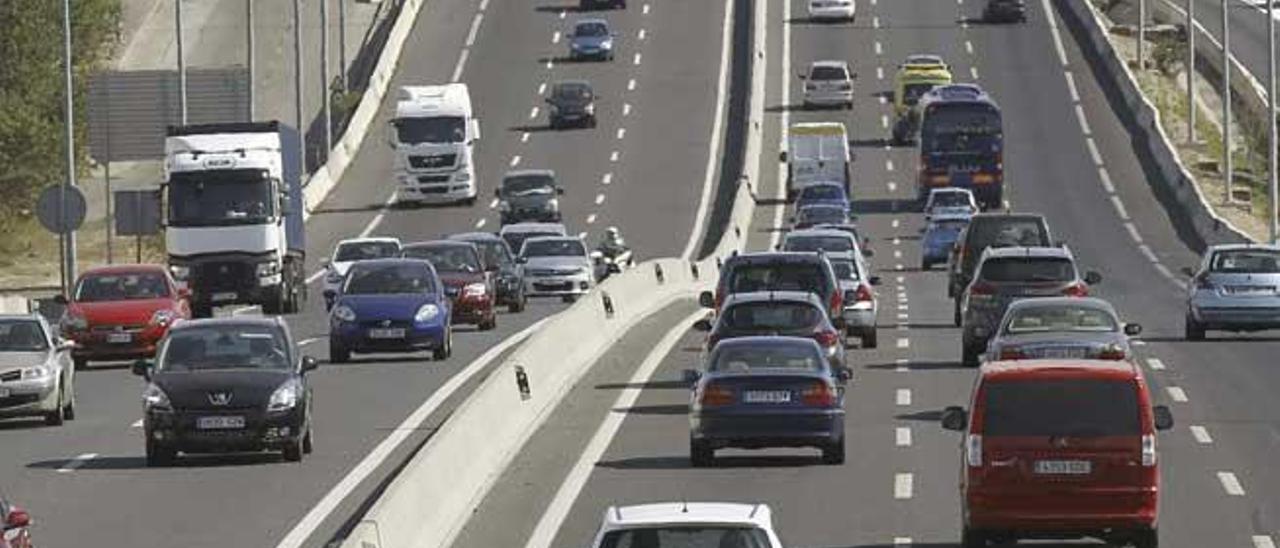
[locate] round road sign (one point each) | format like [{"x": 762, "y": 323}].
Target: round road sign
[{"x": 61, "y": 208}]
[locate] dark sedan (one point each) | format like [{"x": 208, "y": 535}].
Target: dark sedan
[
  {"x": 759, "y": 392},
  {"x": 227, "y": 384},
  {"x": 1062, "y": 328},
  {"x": 813, "y": 215},
  {"x": 572, "y": 103},
  {"x": 790, "y": 313},
  {"x": 500, "y": 263}
]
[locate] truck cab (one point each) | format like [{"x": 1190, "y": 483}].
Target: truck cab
[
  {"x": 816, "y": 152},
  {"x": 916, "y": 76},
  {"x": 434, "y": 134}
]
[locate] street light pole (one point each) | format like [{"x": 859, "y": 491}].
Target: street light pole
[
  {"x": 69, "y": 123},
  {"x": 182, "y": 62},
  {"x": 326, "y": 112},
  {"x": 342, "y": 43},
  {"x": 1142, "y": 35},
  {"x": 1226, "y": 100},
  {"x": 248, "y": 12},
  {"x": 297, "y": 81},
  {"x": 1191, "y": 72},
  {"x": 1271, "y": 117}
]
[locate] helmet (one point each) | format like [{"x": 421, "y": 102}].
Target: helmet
[{"x": 611, "y": 232}]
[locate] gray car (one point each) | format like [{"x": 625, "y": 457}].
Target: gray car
[
  {"x": 37, "y": 378},
  {"x": 1004, "y": 275},
  {"x": 557, "y": 266},
  {"x": 591, "y": 39},
  {"x": 529, "y": 195},
  {"x": 1062, "y": 328},
  {"x": 572, "y": 103},
  {"x": 1236, "y": 288}
]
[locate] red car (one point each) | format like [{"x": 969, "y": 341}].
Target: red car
[
  {"x": 469, "y": 287},
  {"x": 1060, "y": 449},
  {"x": 16, "y": 526},
  {"x": 121, "y": 312}
]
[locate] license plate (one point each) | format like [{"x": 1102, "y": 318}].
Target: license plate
[
  {"x": 4, "y": 392},
  {"x": 1064, "y": 467},
  {"x": 220, "y": 423},
  {"x": 223, "y": 297},
  {"x": 387, "y": 333},
  {"x": 766, "y": 396},
  {"x": 1063, "y": 353},
  {"x": 119, "y": 338}
]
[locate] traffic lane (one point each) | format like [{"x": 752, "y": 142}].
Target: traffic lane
[{"x": 1248, "y": 31}]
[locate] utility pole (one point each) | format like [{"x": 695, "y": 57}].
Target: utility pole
[
  {"x": 1271, "y": 118},
  {"x": 182, "y": 62},
  {"x": 1226, "y": 100},
  {"x": 342, "y": 43},
  {"x": 327, "y": 113},
  {"x": 248, "y": 12},
  {"x": 69, "y": 123},
  {"x": 1191, "y": 72},
  {"x": 1142, "y": 35},
  {"x": 297, "y": 81}
]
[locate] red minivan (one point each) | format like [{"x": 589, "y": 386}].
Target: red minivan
[{"x": 1058, "y": 449}]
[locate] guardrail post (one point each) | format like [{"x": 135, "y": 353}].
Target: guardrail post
[
  {"x": 693, "y": 268},
  {"x": 719, "y": 263},
  {"x": 522, "y": 383},
  {"x": 607, "y": 301},
  {"x": 657, "y": 273}
]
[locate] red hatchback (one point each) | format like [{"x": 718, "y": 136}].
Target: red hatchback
[
  {"x": 17, "y": 526},
  {"x": 121, "y": 312},
  {"x": 1060, "y": 449},
  {"x": 470, "y": 288}
]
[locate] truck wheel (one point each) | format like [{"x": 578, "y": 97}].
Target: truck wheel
[
  {"x": 338, "y": 353},
  {"x": 869, "y": 338}
]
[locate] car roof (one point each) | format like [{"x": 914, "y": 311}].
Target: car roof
[
  {"x": 822, "y": 183},
  {"x": 1059, "y": 368},
  {"x": 623, "y": 517},
  {"x": 530, "y": 227},
  {"x": 386, "y": 261},
  {"x": 810, "y": 207},
  {"x": 527, "y": 172},
  {"x": 772, "y": 296},
  {"x": 775, "y": 256},
  {"x": 951, "y": 190},
  {"x": 818, "y": 232},
  {"x": 124, "y": 269},
  {"x": 1082, "y": 302},
  {"x": 553, "y": 238},
  {"x": 475, "y": 236},
  {"x": 257, "y": 321},
  {"x": 1239, "y": 247},
  {"x": 951, "y": 217},
  {"x": 374, "y": 239},
  {"x": 590, "y": 20},
  {"x": 924, "y": 59},
  {"x": 1022, "y": 251},
  {"x": 832, "y": 63},
  {"x": 1000, "y": 215},
  {"x": 27, "y": 316}
]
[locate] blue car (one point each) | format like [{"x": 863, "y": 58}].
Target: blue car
[
  {"x": 591, "y": 39},
  {"x": 823, "y": 194},
  {"x": 939, "y": 237},
  {"x": 391, "y": 305}
]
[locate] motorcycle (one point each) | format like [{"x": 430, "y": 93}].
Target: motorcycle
[{"x": 607, "y": 264}]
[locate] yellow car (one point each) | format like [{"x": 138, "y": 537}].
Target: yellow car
[{"x": 917, "y": 75}]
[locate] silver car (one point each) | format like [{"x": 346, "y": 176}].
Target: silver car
[
  {"x": 861, "y": 304},
  {"x": 1236, "y": 288},
  {"x": 1062, "y": 328},
  {"x": 37, "y": 378},
  {"x": 557, "y": 266}
]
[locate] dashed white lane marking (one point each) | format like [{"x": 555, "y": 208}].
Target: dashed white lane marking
[
  {"x": 493, "y": 204},
  {"x": 879, "y": 51},
  {"x": 902, "y": 541},
  {"x": 1071, "y": 86},
  {"x": 631, "y": 84},
  {"x": 901, "y": 279},
  {"x": 884, "y": 100},
  {"x": 904, "y": 342},
  {"x": 1133, "y": 232},
  {"x": 484, "y": 4},
  {"x": 897, "y": 253},
  {"x": 1093, "y": 151},
  {"x": 1120, "y": 210},
  {"x": 524, "y": 137},
  {"x": 968, "y": 47},
  {"x": 884, "y": 120},
  {"x": 902, "y": 397},
  {"x": 875, "y": 22},
  {"x": 626, "y": 109},
  {"x": 533, "y": 113},
  {"x": 1177, "y": 393},
  {"x": 77, "y": 462},
  {"x": 904, "y": 316},
  {"x": 462, "y": 63},
  {"x": 896, "y": 240},
  {"x": 613, "y": 156},
  {"x": 591, "y": 219},
  {"x": 1155, "y": 364},
  {"x": 899, "y": 266},
  {"x": 1106, "y": 180},
  {"x": 136, "y": 424},
  {"x": 1262, "y": 541},
  {"x": 645, "y": 9},
  {"x": 515, "y": 160},
  {"x": 606, "y": 179},
  {"x": 973, "y": 72},
  {"x": 563, "y": 13},
  {"x": 895, "y": 223},
  {"x": 482, "y": 222},
  {"x": 475, "y": 29},
  {"x": 542, "y": 88},
  {"x": 1084, "y": 126},
  {"x": 599, "y": 199},
  {"x": 900, "y": 365},
  {"x": 1150, "y": 255},
  {"x": 902, "y": 436},
  {"x": 902, "y": 486},
  {"x": 902, "y": 306},
  {"x": 550, "y": 64},
  {"x": 622, "y": 132},
  {"x": 880, "y": 73},
  {"x": 1201, "y": 434},
  {"x": 555, "y": 38},
  {"x": 635, "y": 60},
  {"x": 1231, "y": 484},
  {"x": 888, "y": 165},
  {"x": 892, "y": 186},
  {"x": 641, "y": 34}
]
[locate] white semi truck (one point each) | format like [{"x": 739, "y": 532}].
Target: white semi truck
[{"x": 434, "y": 134}]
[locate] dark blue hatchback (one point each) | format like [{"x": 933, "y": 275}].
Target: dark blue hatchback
[
  {"x": 938, "y": 239},
  {"x": 391, "y": 305}
]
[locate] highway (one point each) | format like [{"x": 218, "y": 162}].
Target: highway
[
  {"x": 1067, "y": 155},
  {"x": 1248, "y": 29},
  {"x": 643, "y": 169}
]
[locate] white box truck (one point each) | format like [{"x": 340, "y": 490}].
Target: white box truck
[{"x": 816, "y": 153}]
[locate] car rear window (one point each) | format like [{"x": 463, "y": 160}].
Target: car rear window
[
  {"x": 950, "y": 199},
  {"x": 1038, "y": 319},
  {"x": 744, "y": 358},
  {"x": 1246, "y": 261},
  {"x": 1061, "y": 407},
  {"x": 822, "y": 192},
  {"x": 1028, "y": 269},
  {"x": 830, "y": 244},
  {"x": 687, "y": 537},
  {"x": 388, "y": 279},
  {"x": 772, "y": 315},
  {"x": 1005, "y": 233},
  {"x": 816, "y": 215},
  {"x": 793, "y": 276},
  {"x": 844, "y": 269},
  {"x": 828, "y": 73}
]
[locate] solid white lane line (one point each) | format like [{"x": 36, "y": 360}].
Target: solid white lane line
[
  {"x": 973, "y": 72},
  {"x": 1071, "y": 86},
  {"x": 968, "y": 47},
  {"x": 1093, "y": 150},
  {"x": 1120, "y": 210},
  {"x": 1155, "y": 364},
  {"x": 902, "y": 397},
  {"x": 613, "y": 156},
  {"x": 902, "y": 486},
  {"x": 635, "y": 60},
  {"x": 902, "y": 436},
  {"x": 1133, "y": 232},
  {"x": 713, "y": 153},
  {"x": 555, "y": 38},
  {"x": 462, "y": 63},
  {"x": 1177, "y": 394},
  {"x": 1150, "y": 255},
  {"x": 1201, "y": 434},
  {"x": 591, "y": 219},
  {"x": 631, "y": 84},
  {"x": 622, "y": 132},
  {"x": 903, "y": 342},
  {"x": 607, "y": 179},
  {"x": 1262, "y": 541},
  {"x": 515, "y": 160},
  {"x": 475, "y": 29},
  {"x": 1231, "y": 484},
  {"x": 374, "y": 459},
  {"x": 482, "y": 222},
  {"x": 1106, "y": 180},
  {"x": 1053, "y": 29},
  {"x": 77, "y": 462},
  {"x": 1084, "y": 126},
  {"x": 599, "y": 199},
  {"x": 555, "y": 513}
]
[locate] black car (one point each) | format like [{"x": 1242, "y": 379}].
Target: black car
[
  {"x": 224, "y": 385},
  {"x": 1005, "y": 11},
  {"x": 991, "y": 230},
  {"x": 529, "y": 195},
  {"x": 573, "y": 103},
  {"x": 501, "y": 264}
]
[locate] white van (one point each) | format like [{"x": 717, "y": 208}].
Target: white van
[
  {"x": 816, "y": 152},
  {"x": 434, "y": 134}
]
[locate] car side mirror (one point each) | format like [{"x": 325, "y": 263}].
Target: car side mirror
[
  {"x": 955, "y": 418},
  {"x": 17, "y": 519},
  {"x": 782, "y": 156},
  {"x": 497, "y": 193},
  {"x": 559, "y": 191},
  {"x": 1092, "y": 278},
  {"x": 522, "y": 260},
  {"x": 1163, "y": 417},
  {"x": 703, "y": 325},
  {"x": 868, "y": 252},
  {"x": 1188, "y": 272},
  {"x": 838, "y": 322},
  {"x": 142, "y": 368},
  {"x": 1132, "y": 329},
  {"x": 707, "y": 299},
  {"x": 692, "y": 376},
  {"x": 309, "y": 363},
  {"x": 60, "y": 299},
  {"x": 874, "y": 280}
]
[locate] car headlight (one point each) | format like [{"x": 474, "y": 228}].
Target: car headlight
[
  {"x": 607, "y": 44},
  {"x": 462, "y": 175},
  {"x": 476, "y": 289},
  {"x": 591, "y": 108},
  {"x": 162, "y": 317},
  {"x": 426, "y": 313},
  {"x": 179, "y": 272},
  {"x": 344, "y": 313},
  {"x": 553, "y": 204},
  {"x": 268, "y": 269},
  {"x": 286, "y": 397},
  {"x": 333, "y": 277},
  {"x": 72, "y": 323},
  {"x": 39, "y": 372},
  {"x": 154, "y": 399}
]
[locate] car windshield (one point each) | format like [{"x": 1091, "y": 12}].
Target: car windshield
[
  {"x": 1028, "y": 269},
  {"x": 777, "y": 277},
  {"x": 122, "y": 287},
  {"x": 364, "y": 251},
  {"x": 22, "y": 335},
  {"x": 1246, "y": 261},
  {"x": 824, "y": 193},
  {"x": 687, "y": 537},
  {"x": 1040, "y": 319},
  {"x": 950, "y": 199},
  {"x": 591, "y": 29},
  {"x": 553, "y": 248},
  {"x": 527, "y": 184},
  {"x": 452, "y": 258},
  {"x": 845, "y": 269},
  {"x": 389, "y": 279},
  {"x": 224, "y": 347},
  {"x": 433, "y": 129},
  {"x": 1061, "y": 407},
  {"x": 830, "y": 244},
  {"x": 823, "y": 215},
  {"x": 772, "y": 316},
  {"x": 220, "y": 198},
  {"x": 824, "y": 72},
  {"x": 911, "y": 92}
]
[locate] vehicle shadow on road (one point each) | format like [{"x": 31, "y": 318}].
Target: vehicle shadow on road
[
  {"x": 924, "y": 416},
  {"x": 918, "y": 365},
  {"x": 650, "y": 385},
  {"x": 1210, "y": 339},
  {"x": 567, "y": 8},
  {"x": 873, "y": 142},
  {"x": 139, "y": 462},
  {"x": 813, "y": 22},
  {"x": 681, "y": 409},
  {"x": 730, "y": 461},
  {"x": 23, "y": 424},
  {"x": 532, "y": 129},
  {"x": 872, "y": 207}
]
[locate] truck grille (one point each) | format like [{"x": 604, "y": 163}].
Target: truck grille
[
  {"x": 222, "y": 276},
  {"x": 433, "y": 162}
]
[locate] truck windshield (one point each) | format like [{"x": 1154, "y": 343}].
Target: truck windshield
[
  {"x": 435, "y": 129},
  {"x": 233, "y": 197},
  {"x": 964, "y": 127}
]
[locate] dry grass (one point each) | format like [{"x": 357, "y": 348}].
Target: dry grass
[{"x": 29, "y": 253}]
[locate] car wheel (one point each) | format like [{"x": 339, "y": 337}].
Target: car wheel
[
  {"x": 1146, "y": 538},
  {"x": 924, "y": 265},
  {"x": 469, "y": 201},
  {"x": 1194, "y": 330},
  {"x": 956, "y": 317},
  {"x": 592, "y": 122},
  {"x": 834, "y": 453},
  {"x": 338, "y": 353},
  {"x": 80, "y": 363},
  {"x": 489, "y": 324},
  {"x": 968, "y": 356},
  {"x": 308, "y": 445},
  {"x": 158, "y": 455},
  {"x": 54, "y": 418},
  {"x": 446, "y": 350},
  {"x": 69, "y": 408},
  {"x": 972, "y": 539},
  {"x": 568, "y": 298},
  {"x": 869, "y": 338},
  {"x": 293, "y": 451},
  {"x": 701, "y": 455}
]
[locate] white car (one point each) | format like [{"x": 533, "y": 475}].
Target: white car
[
  {"x": 671, "y": 524},
  {"x": 557, "y": 266},
  {"x": 861, "y": 304},
  {"x": 828, "y": 84},
  {"x": 950, "y": 201},
  {"x": 832, "y": 9},
  {"x": 349, "y": 252}
]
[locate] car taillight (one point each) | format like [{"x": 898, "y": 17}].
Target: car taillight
[
  {"x": 982, "y": 288},
  {"x": 1148, "y": 450},
  {"x": 827, "y": 338},
  {"x": 864, "y": 293},
  {"x": 1012, "y": 353},
  {"x": 821, "y": 394},
  {"x": 714, "y": 395},
  {"x": 1112, "y": 352},
  {"x": 973, "y": 450},
  {"x": 1076, "y": 290},
  {"x": 837, "y": 301}
]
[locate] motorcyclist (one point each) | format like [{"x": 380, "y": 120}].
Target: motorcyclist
[{"x": 614, "y": 247}]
